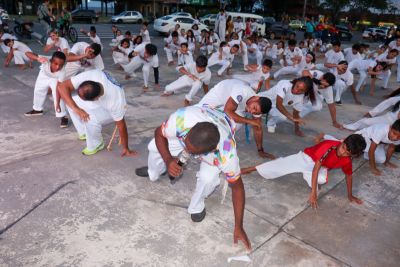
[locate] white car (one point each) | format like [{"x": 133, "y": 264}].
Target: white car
[
  {"x": 208, "y": 19},
  {"x": 181, "y": 14},
  {"x": 165, "y": 24},
  {"x": 368, "y": 33},
  {"x": 128, "y": 17}
]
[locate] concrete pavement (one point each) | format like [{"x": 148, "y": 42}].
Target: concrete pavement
[{"x": 60, "y": 208}]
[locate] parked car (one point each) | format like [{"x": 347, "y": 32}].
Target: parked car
[
  {"x": 296, "y": 25},
  {"x": 208, "y": 19},
  {"x": 268, "y": 21},
  {"x": 165, "y": 24},
  {"x": 276, "y": 31},
  {"x": 369, "y": 33},
  {"x": 181, "y": 14},
  {"x": 128, "y": 17},
  {"x": 4, "y": 15},
  {"x": 86, "y": 15}
]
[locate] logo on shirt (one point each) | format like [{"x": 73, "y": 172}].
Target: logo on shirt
[
  {"x": 239, "y": 98},
  {"x": 315, "y": 75},
  {"x": 112, "y": 80}
]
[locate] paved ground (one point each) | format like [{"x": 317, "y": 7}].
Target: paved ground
[{"x": 60, "y": 208}]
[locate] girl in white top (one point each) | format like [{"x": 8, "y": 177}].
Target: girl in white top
[
  {"x": 121, "y": 53},
  {"x": 386, "y": 112},
  {"x": 235, "y": 40},
  {"x": 59, "y": 43},
  {"x": 365, "y": 67},
  {"x": 215, "y": 40},
  {"x": 191, "y": 40},
  {"x": 206, "y": 43},
  {"x": 253, "y": 52},
  {"x": 289, "y": 94},
  {"x": 18, "y": 51},
  {"x": 306, "y": 63},
  {"x": 196, "y": 32},
  {"x": 144, "y": 32},
  {"x": 276, "y": 50},
  {"x": 390, "y": 58},
  {"x": 4, "y": 36},
  {"x": 118, "y": 38}
]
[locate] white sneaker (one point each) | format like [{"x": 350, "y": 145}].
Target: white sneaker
[{"x": 271, "y": 129}]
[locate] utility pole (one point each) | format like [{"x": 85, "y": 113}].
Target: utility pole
[{"x": 304, "y": 9}]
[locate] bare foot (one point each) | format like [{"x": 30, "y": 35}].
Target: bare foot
[
  {"x": 319, "y": 138},
  {"x": 167, "y": 93},
  {"x": 186, "y": 103},
  {"x": 171, "y": 63},
  {"x": 22, "y": 67},
  {"x": 145, "y": 88},
  {"x": 157, "y": 86},
  {"x": 299, "y": 133},
  {"x": 358, "y": 102},
  {"x": 127, "y": 77}
]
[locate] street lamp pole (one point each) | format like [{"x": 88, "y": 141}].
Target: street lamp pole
[{"x": 304, "y": 9}]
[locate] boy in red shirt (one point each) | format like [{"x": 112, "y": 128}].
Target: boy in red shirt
[{"x": 314, "y": 162}]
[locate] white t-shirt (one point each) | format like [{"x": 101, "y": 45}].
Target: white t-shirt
[
  {"x": 184, "y": 59},
  {"x": 347, "y": 77},
  {"x": 45, "y": 72},
  {"x": 349, "y": 56},
  {"x": 61, "y": 44},
  {"x": 383, "y": 58},
  {"x": 153, "y": 60},
  {"x": 238, "y": 90},
  {"x": 378, "y": 133},
  {"x": 113, "y": 100},
  {"x": 95, "y": 39},
  {"x": 284, "y": 89},
  {"x": 204, "y": 77},
  {"x": 126, "y": 51},
  {"x": 5, "y": 36},
  {"x": 225, "y": 157},
  {"x": 237, "y": 26},
  {"x": 226, "y": 53},
  {"x": 21, "y": 47},
  {"x": 333, "y": 58},
  {"x": 392, "y": 45},
  {"x": 295, "y": 53},
  {"x": 145, "y": 36},
  {"x": 325, "y": 93},
  {"x": 253, "y": 47},
  {"x": 80, "y": 49},
  {"x": 362, "y": 64},
  {"x": 238, "y": 42}
]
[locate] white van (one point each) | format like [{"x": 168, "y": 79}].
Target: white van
[{"x": 259, "y": 19}]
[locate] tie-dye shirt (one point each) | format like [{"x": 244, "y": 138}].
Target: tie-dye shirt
[{"x": 225, "y": 157}]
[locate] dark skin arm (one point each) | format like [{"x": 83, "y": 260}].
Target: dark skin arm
[
  {"x": 9, "y": 57},
  {"x": 64, "y": 89},
  {"x": 332, "y": 111},
  {"x": 162, "y": 145},
  {"x": 314, "y": 185},
  {"x": 123, "y": 133},
  {"x": 349, "y": 184},
  {"x": 389, "y": 155},
  {"x": 297, "y": 123},
  {"x": 238, "y": 201},
  {"x": 371, "y": 155}
]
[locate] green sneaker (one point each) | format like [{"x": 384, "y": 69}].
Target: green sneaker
[
  {"x": 87, "y": 152},
  {"x": 82, "y": 137}
]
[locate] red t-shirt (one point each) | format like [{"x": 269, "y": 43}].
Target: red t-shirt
[{"x": 332, "y": 161}]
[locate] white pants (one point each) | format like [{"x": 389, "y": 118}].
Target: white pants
[
  {"x": 274, "y": 117},
  {"x": 224, "y": 63},
  {"x": 288, "y": 62},
  {"x": 134, "y": 64},
  {"x": 339, "y": 87},
  {"x": 299, "y": 162},
  {"x": 92, "y": 128},
  {"x": 387, "y": 118},
  {"x": 385, "y": 76},
  {"x": 398, "y": 68},
  {"x": 287, "y": 71},
  {"x": 20, "y": 58},
  {"x": 206, "y": 49},
  {"x": 207, "y": 176},
  {"x": 384, "y": 105},
  {"x": 182, "y": 82},
  {"x": 172, "y": 49},
  {"x": 73, "y": 68},
  {"x": 42, "y": 85},
  {"x": 222, "y": 31},
  {"x": 252, "y": 79},
  {"x": 309, "y": 107},
  {"x": 120, "y": 58},
  {"x": 257, "y": 56}
]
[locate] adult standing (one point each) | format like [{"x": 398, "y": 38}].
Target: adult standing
[
  {"x": 310, "y": 27},
  {"x": 44, "y": 15},
  {"x": 285, "y": 25},
  {"x": 220, "y": 24}
]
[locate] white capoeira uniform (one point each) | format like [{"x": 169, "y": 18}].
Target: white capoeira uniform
[
  {"x": 186, "y": 81},
  {"x": 296, "y": 69},
  {"x": 377, "y": 133},
  {"x": 191, "y": 44},
  {"x": 242, "y": 50},
  {"x": 256, "y": 54},
  {"x": 393, "y": 45},
  {"x": 238, "y": 90},
  {"x": 220, "y": 25},
  {"x": 96, "y": 39},
  {"x": 206, "y": 46},
  {"x": 378, "y": 115},
  {"x": 45, "y": 80},
  {"x": 304, "y": 162},
  {"x": 283, "y": 89},
  {"x": 362, "y": 66},
  {"x": 263, "y": 45},
  {"x": 122, "y": 56},
  {"x": 289, "y": 54},
  {"x": 274, "y": 52},
  {"x": 19, "y": 51},
  {"x": 224, "y": 62},
  {"x": 343, "y": 81},
  {"x": 5, "y": 36},
  {"x": 173, "y": 47},
  {"x": 321, "y": 94},
  {"x": 224, "y": 159},
  {"x": 73, "y": 68},
  {"x": 60, "y": 45},
  {"x": 238, "y": 27},
  {"x": 253, "y": 79},
  {"x": 139, "y": 60},
  {"x": 349, "y": 56},
  {"x": 385, "y": 75},
  {"x": 111, "y": 106},
  {"x": 145, "y": 36},
  {"x": 184, "y": 59},
  {"x": 331, "y": 57},
  {"x": 216, "y": 41}
]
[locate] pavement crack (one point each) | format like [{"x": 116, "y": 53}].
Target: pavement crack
[{"x": 35, "y": 206}]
